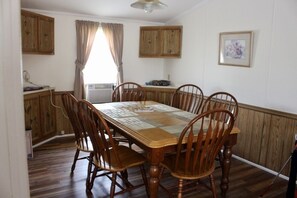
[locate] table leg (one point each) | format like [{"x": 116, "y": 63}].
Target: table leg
[
  {"x": 154, "y": 180},
  {"x": 155, "y": 156},
  {"x": 227, "y": 153}
]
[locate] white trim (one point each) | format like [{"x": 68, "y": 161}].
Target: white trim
[
  {"x": 92, "y": 17},
  {"x": 260, "y": 167},
  {"x": 14, "y": 171},
  {"x": 52, "y": 138}
]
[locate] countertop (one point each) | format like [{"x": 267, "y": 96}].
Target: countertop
[{"x": 39, "y": 90}]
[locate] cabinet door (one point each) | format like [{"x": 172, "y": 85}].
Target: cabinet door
[
  {"x": 149, "y": 43},
  {"x": 171, "y": 42},
  {"x": 29, "y": 32},
  {"x": 47, "y": 115},
  {"x": 32, "y": 117},
  {"x": 46, "y": 35}
]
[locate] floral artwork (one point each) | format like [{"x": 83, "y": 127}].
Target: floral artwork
[{"x": 235, "y": 48}]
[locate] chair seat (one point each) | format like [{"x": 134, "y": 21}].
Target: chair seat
[
  {"x": 84, "y": 144},
  {"x": 128, "y": 158},
  {"x": 179, "y": 171}
]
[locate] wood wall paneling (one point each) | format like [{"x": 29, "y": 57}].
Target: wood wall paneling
[
  {"x": 265, "y": 139},
  {"x": 63, "y": 123},
  {"x": 255, "y": 126},
  {"x": 47, "y": 115}
]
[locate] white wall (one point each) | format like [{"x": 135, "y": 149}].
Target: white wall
[
  {"x": 271, "y": 80},
  {"x": 58, "y": 70},
  {"x": 14, "y": 180},
  {"x": 268, "y": 83}
]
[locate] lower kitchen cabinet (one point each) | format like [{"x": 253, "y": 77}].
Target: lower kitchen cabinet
[{"x": 40, "y": 115}]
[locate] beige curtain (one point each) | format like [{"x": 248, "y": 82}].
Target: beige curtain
[
  {"x": 85, "y": 34},
  {"x": 115, "y": 34}
]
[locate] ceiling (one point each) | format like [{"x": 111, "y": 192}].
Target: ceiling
[{"x": 113, "y": 8}]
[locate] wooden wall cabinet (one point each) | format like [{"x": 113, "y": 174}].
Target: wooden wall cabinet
[
  {"x": 37, "y": 33},
  {"x": 160, "y": 41},
  {"x": 40, "y": 115}
]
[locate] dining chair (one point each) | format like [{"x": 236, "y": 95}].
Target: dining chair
[
  {"x": 221, "y": 100},
  {"x": 188, "y": 97},
  {"x": 197, "y": 148},
  {"x": 108, "y": 156},
  {"x": 82, "y": 141},
  {"x": 128, "y": 91}
]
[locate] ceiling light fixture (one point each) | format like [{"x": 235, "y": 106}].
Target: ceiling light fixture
[{"x": 148, "y": 5}]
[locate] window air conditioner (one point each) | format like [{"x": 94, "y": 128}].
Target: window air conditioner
[{"x": 99, "y": 93}]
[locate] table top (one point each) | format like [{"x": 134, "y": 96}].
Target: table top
[{"x": 154, "y": 124}]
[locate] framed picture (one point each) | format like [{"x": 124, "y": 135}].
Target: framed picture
[{"x": 235, "y": 48}]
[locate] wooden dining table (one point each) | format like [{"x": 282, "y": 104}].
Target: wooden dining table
[{"x": 155, "y": 128}]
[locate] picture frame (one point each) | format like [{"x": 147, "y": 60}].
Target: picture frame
[{"x": 235, "y": 48}]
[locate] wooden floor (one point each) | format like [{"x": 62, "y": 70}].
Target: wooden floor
[{"x": 49, "y": 173}]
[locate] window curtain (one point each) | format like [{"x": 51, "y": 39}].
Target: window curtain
[
  {"x": 114, "y": 34},
  {"x": 85, "y": 35}
]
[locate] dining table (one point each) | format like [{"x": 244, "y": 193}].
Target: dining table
[{"x": 155, "y": 128}]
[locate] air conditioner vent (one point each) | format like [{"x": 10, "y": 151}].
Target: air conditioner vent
[{"x": 99, "y": 93}]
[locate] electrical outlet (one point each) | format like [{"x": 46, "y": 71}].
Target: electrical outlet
[
  {"x": 26, "y": 76},
  {"x": 62, "y": 132}
]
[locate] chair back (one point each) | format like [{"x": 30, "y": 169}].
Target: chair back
[
  {"x": 188, "y": 97},
  {"x": 221, "y": 100},
  {"x": 200, "y": 142},
  {"x": 105, "y": 148},
  {"x": 71, "y": 106},
  {"x": 128, "y": 91}
]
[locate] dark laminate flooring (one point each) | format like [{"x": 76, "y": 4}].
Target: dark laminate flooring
[{"x": 49, "y": 174}]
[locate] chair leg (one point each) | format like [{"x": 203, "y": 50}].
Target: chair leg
[
  {"x": 161, "y": 172},
  {"x": 113, "y": 182},
  {"x": 144, "y": 178},
  {"x": 74, "y": 160},
  {"x": 213, "y": 186},
  {"x": 89, "y": 169},
  {"x": 130, "y": 144},
  {"x": 180, "y": 188},
  {"x": 220, "y": 155},
  {"x": 94, "y": 174},
  {"x": 124, "y": 175}
]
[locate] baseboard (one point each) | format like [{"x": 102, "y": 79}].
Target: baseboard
[
  {"x": 261, "y": 167},
  {"x": 52, "y": 138}
]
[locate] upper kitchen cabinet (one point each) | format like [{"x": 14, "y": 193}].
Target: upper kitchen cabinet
[
  {"x": 160, "y": 41},
  {"x": 37, "y": 33}
]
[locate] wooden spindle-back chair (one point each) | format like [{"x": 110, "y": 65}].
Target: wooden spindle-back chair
[
  {"x": 188, "y": 97},
  {"x": 221, "y": 100},
  {"x": 198, "y": 146},
  {"x": 108, "y": 155},
  {"x": 82, "y": 140},
  {"x": 128, "y": 91}
]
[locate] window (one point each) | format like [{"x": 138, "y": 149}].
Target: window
[{"x": 100, "y": 67}]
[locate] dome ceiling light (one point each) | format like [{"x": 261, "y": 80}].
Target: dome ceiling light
[{"x": 148, "y": 5}]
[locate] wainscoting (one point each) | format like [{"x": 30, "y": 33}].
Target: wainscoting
[{"x": 266, "y": 136}]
